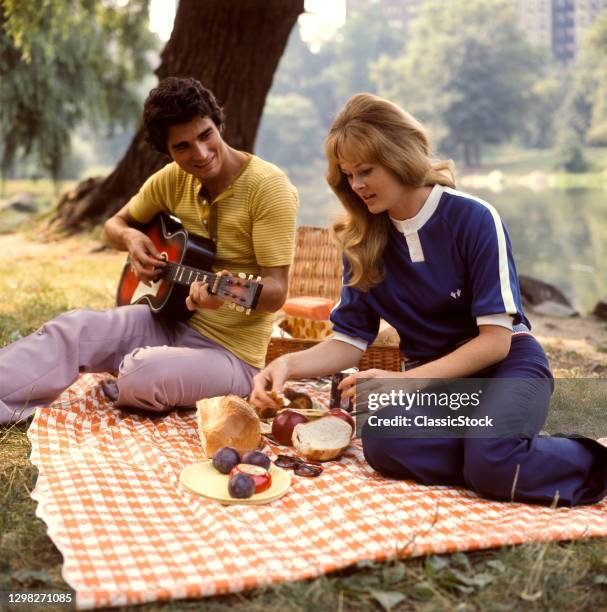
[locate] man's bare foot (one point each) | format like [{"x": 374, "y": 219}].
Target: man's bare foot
[{"x": 602, "y": 441}]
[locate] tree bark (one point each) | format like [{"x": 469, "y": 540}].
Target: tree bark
[{"x": 233, "y": 47}]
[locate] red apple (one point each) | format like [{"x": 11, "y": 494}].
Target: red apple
[
  {"x": 344, "y": 416},
  {"x": 261, "y": 477},
  {"x": 284, "y": 424}
]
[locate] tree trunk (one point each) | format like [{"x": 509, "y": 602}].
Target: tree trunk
[{"x": 233, "y": 47}]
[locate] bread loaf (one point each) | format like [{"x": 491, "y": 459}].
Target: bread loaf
[
  {"x": 227, "y": 421},
  {"x": 322, "y": 440}
]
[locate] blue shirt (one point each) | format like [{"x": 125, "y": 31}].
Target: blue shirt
[{"x": 448, "y": 270}]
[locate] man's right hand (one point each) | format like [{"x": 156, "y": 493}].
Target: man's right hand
[{"x": 145, "y": 259}]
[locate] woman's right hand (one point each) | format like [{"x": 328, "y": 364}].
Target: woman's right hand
[
  {"x": 273, "y": 377},
  {"x": 144, "y": 258},
  {"x": 326, "y": 357}
]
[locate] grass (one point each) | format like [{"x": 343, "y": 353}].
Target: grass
[{"x": 39, "y": 280}]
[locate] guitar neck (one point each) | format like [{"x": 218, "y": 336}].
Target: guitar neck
[
  {"x": 185, "y": 275},
  {"x": 239, "y": 292}
]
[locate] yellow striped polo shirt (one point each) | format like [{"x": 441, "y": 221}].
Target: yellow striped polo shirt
[{"x": 255, "y": 227}]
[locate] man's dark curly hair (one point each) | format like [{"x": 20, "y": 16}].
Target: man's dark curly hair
[{"x": 177, "y": 100}]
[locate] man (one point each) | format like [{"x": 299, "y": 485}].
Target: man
[{"x": 245, "y": 204}]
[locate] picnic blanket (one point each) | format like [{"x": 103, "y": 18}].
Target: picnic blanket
[{"x": 108, "y": 491}]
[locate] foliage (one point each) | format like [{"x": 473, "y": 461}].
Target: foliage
[
  {"x": 302, "y": 72},
  {"x": 363, "y": 39},
  {"x": 542, "y": 121},
  {"x": 341, "y": 67},
  {"x": 590, "y": 85},
  {"x": 466, "y": 72},
  {"x": 308, "y": 90},
  {"x": 62, "y": 61},
  {"x": 292, "y": 134},
  {"x": 570, "y": 153}
]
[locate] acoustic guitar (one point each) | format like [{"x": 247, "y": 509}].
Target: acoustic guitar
[{"x": 187, "y": 258}]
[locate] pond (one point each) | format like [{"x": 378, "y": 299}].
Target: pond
[{"x": 558, "y": 236}]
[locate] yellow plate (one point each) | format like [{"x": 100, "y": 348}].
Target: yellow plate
[{"x": 203, "y": 479}]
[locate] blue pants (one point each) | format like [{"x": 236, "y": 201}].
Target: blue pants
[{"x": 534, "y": 469}]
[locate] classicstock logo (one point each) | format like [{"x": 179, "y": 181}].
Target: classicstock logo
[{"x": 468, "y": 407}]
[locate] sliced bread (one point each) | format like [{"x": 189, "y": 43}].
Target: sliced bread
[{"x": 322, "y": 440}]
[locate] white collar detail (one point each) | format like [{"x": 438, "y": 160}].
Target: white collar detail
[{"x": 410, "y": 227}]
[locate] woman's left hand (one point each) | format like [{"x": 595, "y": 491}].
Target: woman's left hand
[{"x": 348, "y": 384}]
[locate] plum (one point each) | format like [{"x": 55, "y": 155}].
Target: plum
[
  {"x": 241, "y": 485},
  {"x": 225, "y": 459},
  {"x": 256, "y": 458}
]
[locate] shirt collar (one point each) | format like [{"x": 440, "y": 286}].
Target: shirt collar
[{"x": 409, "y": 226}]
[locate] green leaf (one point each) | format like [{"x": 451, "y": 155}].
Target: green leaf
[
  {"x": 481, "y": 580},
  {"x": 497, "y": 565},
  {"x": 435, "y": 564},
  {"x": 393, "y": 573},
  {"x": 387, "y": 599},
  {"x": 361, "y": 582},
  {"x": 461, "y": 560},
  {"x": 423, "y": 590}
]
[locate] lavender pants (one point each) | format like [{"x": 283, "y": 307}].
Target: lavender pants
[{"x": 159, "y": 365}]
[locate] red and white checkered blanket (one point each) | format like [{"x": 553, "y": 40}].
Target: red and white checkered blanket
[{"x": 108, "y": 490}]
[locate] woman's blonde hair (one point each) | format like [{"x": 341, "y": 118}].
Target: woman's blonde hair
[{"x": 373, "y": 130}]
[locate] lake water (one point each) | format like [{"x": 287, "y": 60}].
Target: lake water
[{"x": 558, "y": 236}]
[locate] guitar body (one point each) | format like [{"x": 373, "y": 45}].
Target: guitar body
[{"x": 177, "y": 246}]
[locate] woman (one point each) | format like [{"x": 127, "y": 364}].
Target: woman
[{"x": 437, "y": 265}]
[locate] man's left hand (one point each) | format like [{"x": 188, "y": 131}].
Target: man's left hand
[{"x": 201, "y": 298}]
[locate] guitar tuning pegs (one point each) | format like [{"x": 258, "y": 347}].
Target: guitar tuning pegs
[
  {"x": 231, "y": 305},
  {"x": 250, "y": 277},
  {"x": 242, "y": 275},
  {"x": 247, "y": 311},
  {"x": 258, "y": 279},
  {"x": 239, "y": 308}
]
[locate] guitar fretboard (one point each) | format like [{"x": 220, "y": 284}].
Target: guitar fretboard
[
  {"x": 226, "y": 286},
  {"x": 184, "y": 275}
]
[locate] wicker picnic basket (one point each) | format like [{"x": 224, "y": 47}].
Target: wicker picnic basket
[{"x": 317, "y": 271}]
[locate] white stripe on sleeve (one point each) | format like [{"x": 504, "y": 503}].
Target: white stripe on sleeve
[
  {"x": 504, "y": 270},
  {"x": 359, "y": 343},
  {"x": 503, "y": 320}
]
